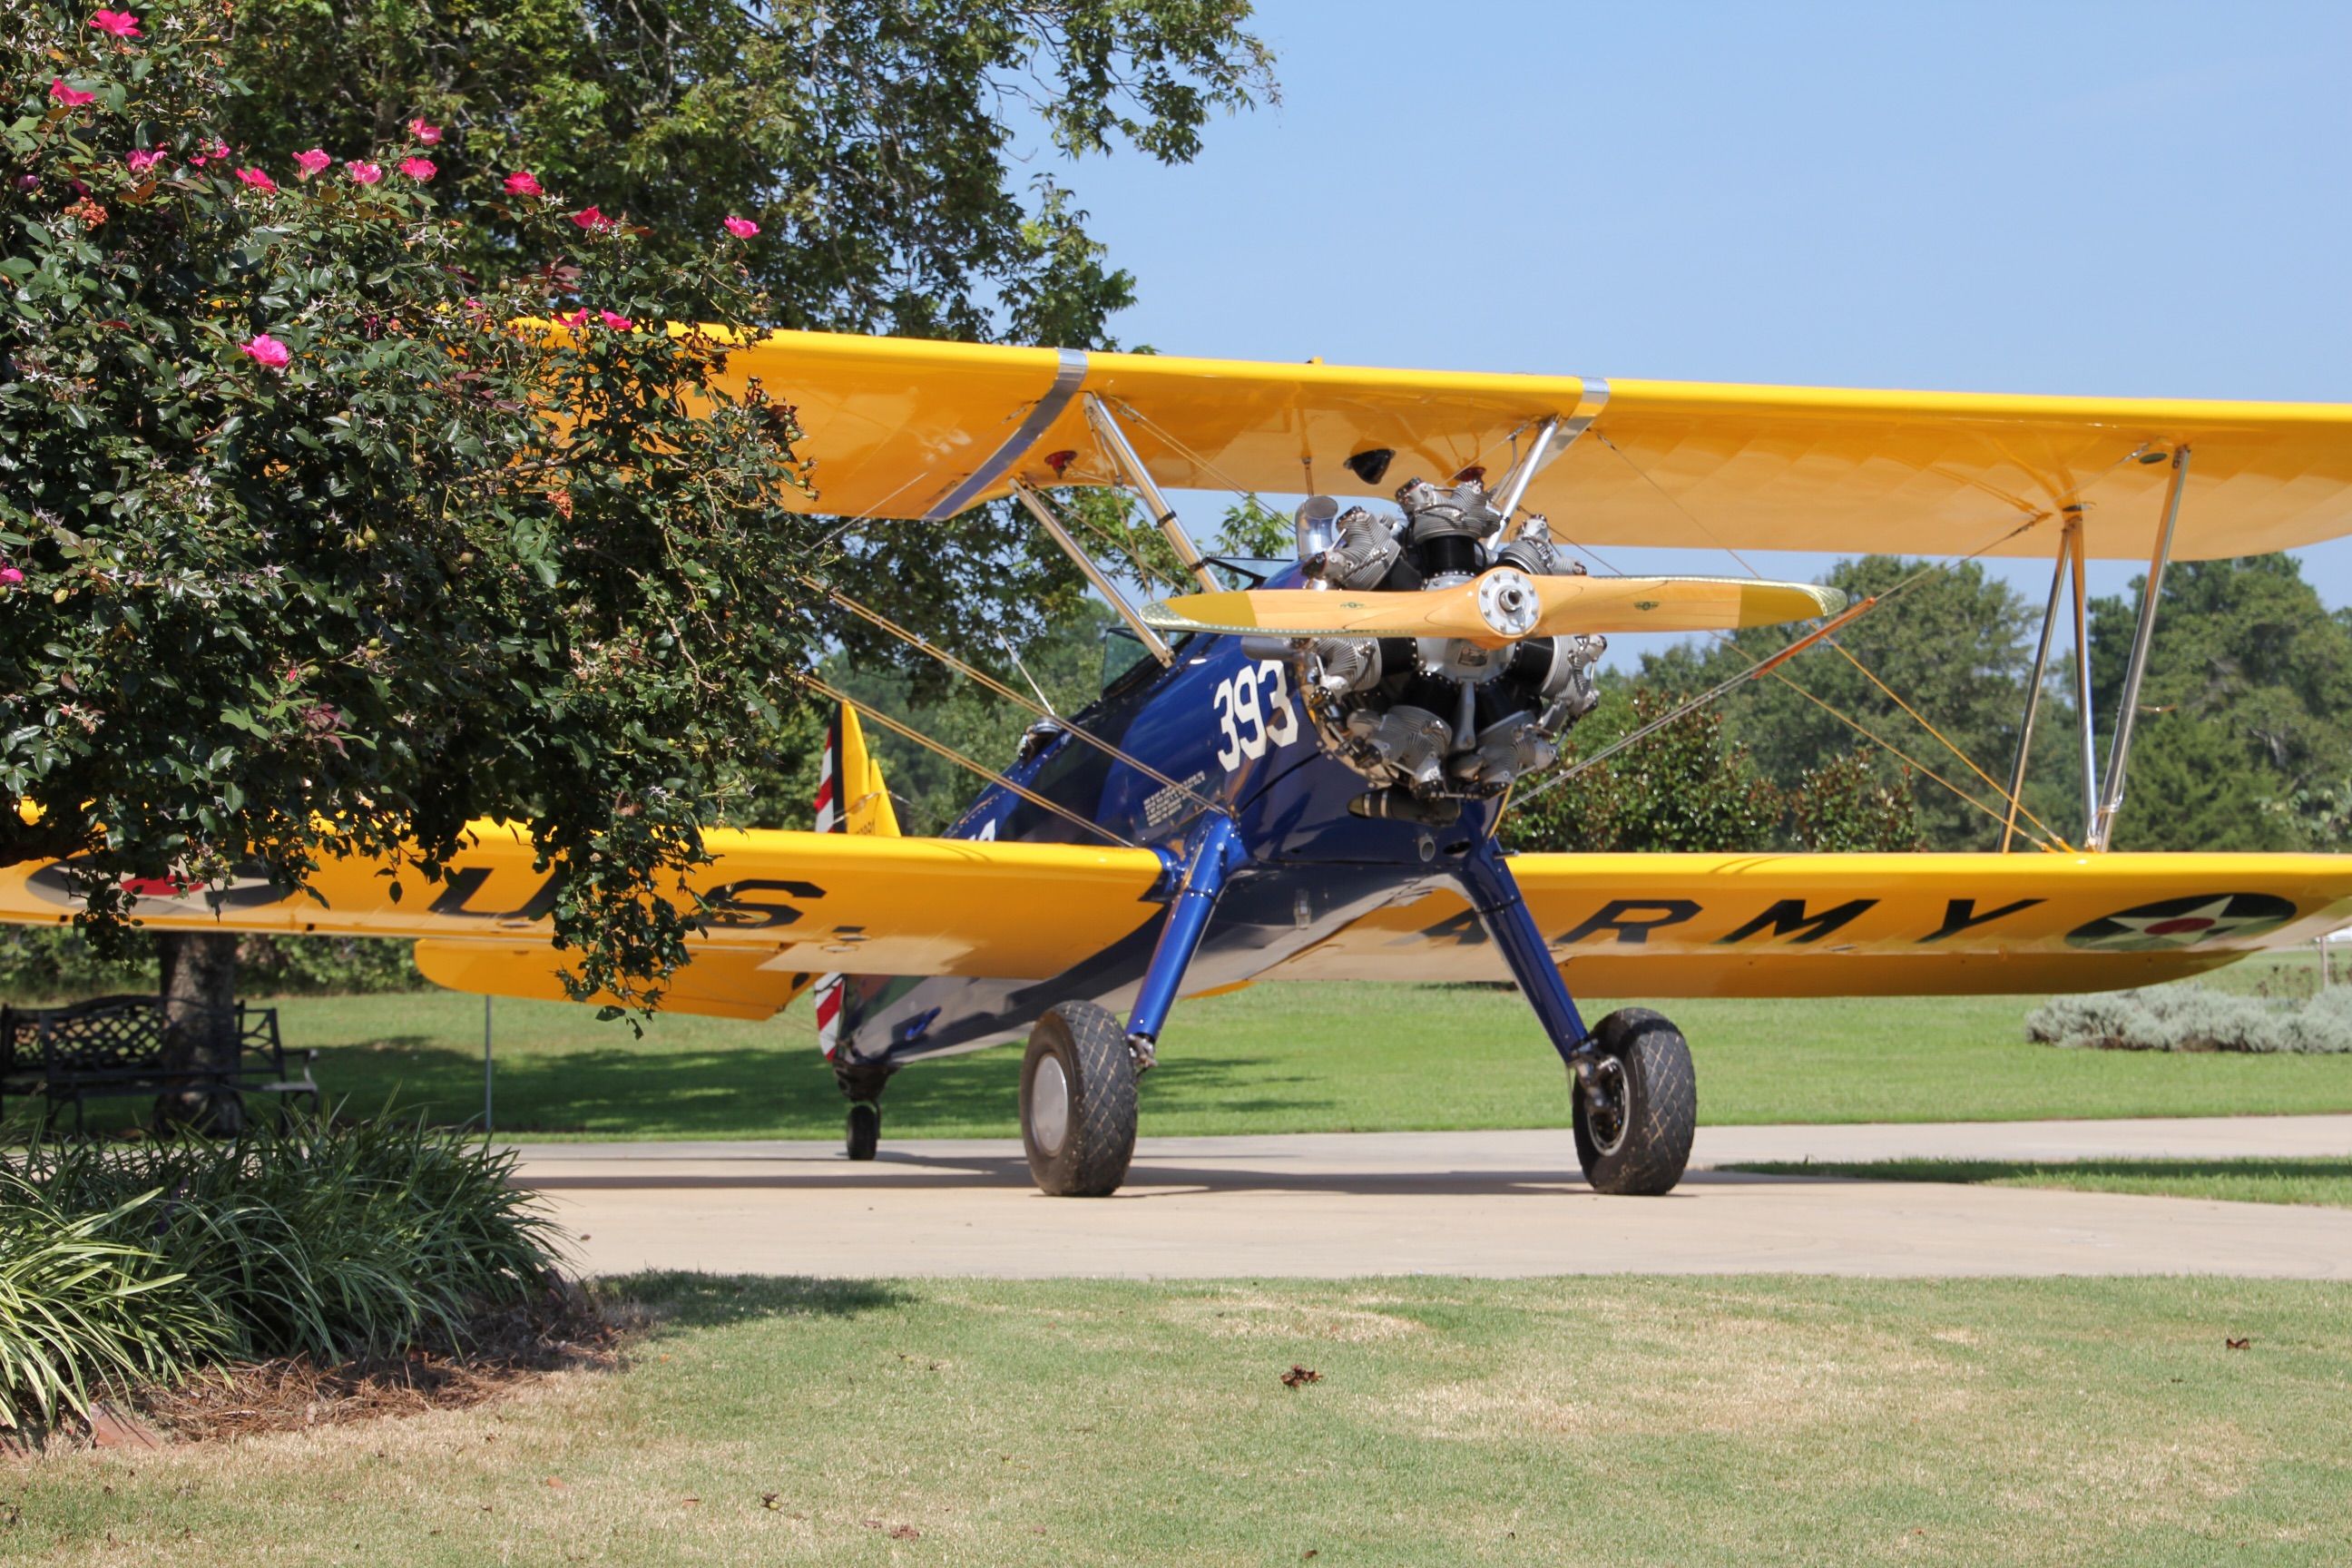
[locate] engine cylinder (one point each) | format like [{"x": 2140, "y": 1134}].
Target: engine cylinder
[{"x": 1434, "y": 719}]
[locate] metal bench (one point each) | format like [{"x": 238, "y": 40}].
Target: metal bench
[{"x": 115, "y": 1047}]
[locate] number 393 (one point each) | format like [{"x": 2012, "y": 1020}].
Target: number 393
[{"x": 1254, "y": 711}]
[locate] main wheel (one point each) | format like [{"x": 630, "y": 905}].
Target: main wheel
[
  {"x": 865, "y": 1135},
  {"x": 1635, "y": 1136},
  {"x": 1078, "y": 1102}
]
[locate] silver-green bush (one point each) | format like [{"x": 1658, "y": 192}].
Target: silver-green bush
[{"x": 2188, "y": 1017}]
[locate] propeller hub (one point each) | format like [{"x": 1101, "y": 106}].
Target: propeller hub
[{"x": 1508, "y": 602}]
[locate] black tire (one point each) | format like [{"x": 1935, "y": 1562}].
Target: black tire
[
  {"x": 1078, "y": 1102},
  {"x": 1643, "y": 1154},
  {"x": 865, "y": 1129}
]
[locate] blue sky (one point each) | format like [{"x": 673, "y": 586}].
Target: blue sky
[{"x": 2135, "y": 200}]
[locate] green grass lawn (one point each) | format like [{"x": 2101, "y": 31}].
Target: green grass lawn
[
  {"x": 2326, "y": 1180},
  {"x": 1281, "y": 1058},
  {"x": 1286, "y": 1058},
  {"x": 1628, "y": 1421}
]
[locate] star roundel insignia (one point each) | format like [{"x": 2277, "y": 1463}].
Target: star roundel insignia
[
  {"x": 2182, "y": 923},
  {"x": 248, "y": 887}
]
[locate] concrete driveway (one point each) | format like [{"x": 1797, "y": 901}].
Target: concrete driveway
[{"x": 1500, "y": 1204}]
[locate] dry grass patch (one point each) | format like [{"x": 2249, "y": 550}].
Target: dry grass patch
[{"x": 1630, "y": 1420}]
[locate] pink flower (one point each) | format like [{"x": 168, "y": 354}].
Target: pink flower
[
  {"x": 418, "y": 169},
  {"x": 311, "y": 163},
  {"x": 121, "y": 23},
  {"x": 266, "y": 350},
  {"x": 523, "y": 182},
  {"x": 741, "y": 227},
  {"x": 615, "y": 321},
  {"x": 219, "y": 149},
  {"x": 428, "y": 134},
  {"x": 10, "y": 576},
  {"x": 363, "y": 172},
  {"x": 592, "y": 220},
  {"x": 258, "y": 180},
  {"x": 70, "y": 98},
  {"x": 141, "y": 162},
  {"x": 576, "y": 318}
]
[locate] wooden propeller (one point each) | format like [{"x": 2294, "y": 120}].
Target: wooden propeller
[{"x": 1501, "y": 605}]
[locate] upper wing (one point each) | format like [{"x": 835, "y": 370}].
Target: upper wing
[
  {"x": 900, "y": 428},
  {"x": 1856, "y": 925},
  {"x": 784, "y": 904}
]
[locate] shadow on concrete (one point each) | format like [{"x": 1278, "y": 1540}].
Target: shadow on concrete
[
  {"x": 896, "y": 1171},
  {"x": 786, "y": 1093}
]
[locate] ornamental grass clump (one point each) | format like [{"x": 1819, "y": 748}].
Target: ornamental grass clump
[
  {"x": 82, "y": 1309},
  {"x": 129, "y": 1266},
  {"x": 334, "y": 1242},
  {"x": 2190, "y": 1017}
]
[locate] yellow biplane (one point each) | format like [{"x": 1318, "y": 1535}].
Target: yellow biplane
[{"x": 1301, "y": 779}]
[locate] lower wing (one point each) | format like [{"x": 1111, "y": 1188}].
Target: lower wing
[
  {"x": 1858, "y": 925},
  {"x": 782, "y": 906}
]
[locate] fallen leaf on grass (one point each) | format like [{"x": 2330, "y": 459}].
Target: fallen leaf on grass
[
  {"x": 557, "y": 1483},
  {"x": 687, "y": 1501},
  {"x": 2237, "y": 1345},
  {"x": 1298, "y": 1376}
]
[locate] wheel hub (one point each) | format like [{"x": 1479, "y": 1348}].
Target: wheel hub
[
  {"x": 1049, "y": 1105},
  {"x": 1605, "y": 1104}
]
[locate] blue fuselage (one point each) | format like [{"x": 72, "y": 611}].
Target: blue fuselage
[{"x": 1228, "y": 728}]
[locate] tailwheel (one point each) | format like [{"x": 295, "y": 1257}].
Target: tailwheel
[
  {"x": 1078, "y": 1102},
  {"x": 1636, "y": 1105},
  {"x": 864, "y": 1137}
]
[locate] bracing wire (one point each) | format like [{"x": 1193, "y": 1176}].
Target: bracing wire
[
  {"x": 824, "y": 689},
  {"x": 1769, "y": 665},
  {"x": 922, "y": 644}
]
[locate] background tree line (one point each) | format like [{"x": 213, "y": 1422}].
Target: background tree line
[{"x": 2243, "y": 739}]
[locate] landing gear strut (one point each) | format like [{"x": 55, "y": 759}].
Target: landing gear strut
[
  {"x": 1636, "y": 1093},
  {"x": 1077, "y": 1082}
]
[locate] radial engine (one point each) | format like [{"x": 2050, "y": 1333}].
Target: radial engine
[{"x": 1432, "y": 721}]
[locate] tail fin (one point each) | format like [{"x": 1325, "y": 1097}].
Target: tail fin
[
  {"x": 850, "y": 795},
  {"x": 850, "y": 798}
]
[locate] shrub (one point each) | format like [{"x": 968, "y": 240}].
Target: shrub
[
  {"x": 294, "y": 565},
  {"x": 2188, "y": 1017},
  {"x": 81, "y": 1309},
  {"x": 127, "y": 1265}
]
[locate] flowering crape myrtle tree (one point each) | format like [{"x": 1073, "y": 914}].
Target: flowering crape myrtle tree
[{"x": 314, "y": 544}]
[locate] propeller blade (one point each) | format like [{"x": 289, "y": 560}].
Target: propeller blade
[{"x": 1500, "y": 607}]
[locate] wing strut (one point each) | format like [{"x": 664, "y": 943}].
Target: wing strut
[
  {"x": 1122, "y": 453},
  {"x": 1044, "y": 512},
  {"x": 2083, "y": 681},
  {"x": 2033, "y": 685},
  {"x": 2111, "y": 801}
]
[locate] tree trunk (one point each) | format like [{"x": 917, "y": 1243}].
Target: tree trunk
[{"x": 200, "y": 1028}]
